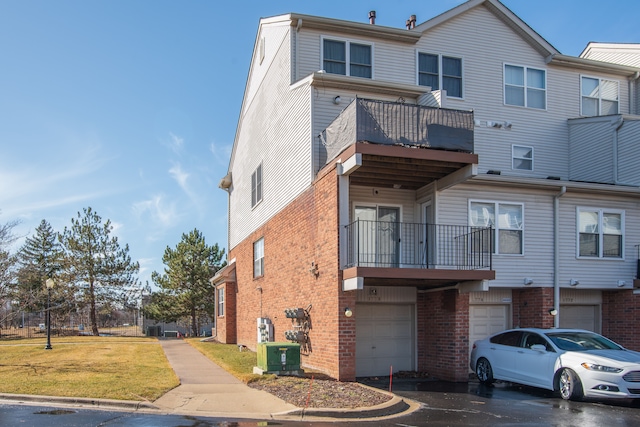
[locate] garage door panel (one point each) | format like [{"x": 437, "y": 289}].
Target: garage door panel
[
  {"x": 384, "y": 339},
  {"x": 580, "y": 317}
]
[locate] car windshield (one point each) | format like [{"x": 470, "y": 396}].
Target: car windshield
[{"x": 581, "y": 341}]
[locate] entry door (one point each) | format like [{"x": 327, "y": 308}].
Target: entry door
[{"x": 378, "y": 236}]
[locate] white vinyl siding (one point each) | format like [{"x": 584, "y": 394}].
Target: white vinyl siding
[
  {"x": 617, "y": 148},
  {"x": 453, "y": 208},
  {"x": 591, "y": 274},
  {"x": 275, "y": 125},
  {"x": 386, "y": 55}
]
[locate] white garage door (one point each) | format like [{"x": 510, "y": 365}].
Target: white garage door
[
  {"x": 485, "y": 320},
  {"x": 580, "y": 317},
  {"x": 384, "y": 339}
]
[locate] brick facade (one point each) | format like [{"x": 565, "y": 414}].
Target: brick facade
[
  {"x": 225, "y": 329},
  {"x": 531, "y": 307},
  {"x": 304, "y": 232},
  {"x": 620, "y": 317},
  {"x": 443, "y": 334}
]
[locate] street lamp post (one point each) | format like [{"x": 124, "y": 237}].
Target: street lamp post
[{"x": 49, "y": 284}]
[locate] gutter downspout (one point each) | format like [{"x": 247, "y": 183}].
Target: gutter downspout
[
  {"x": 616, "y": 127},
  {"x": 556, "y": 255}
]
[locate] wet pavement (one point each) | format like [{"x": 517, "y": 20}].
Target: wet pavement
[
  {"x": 442, "y": 404},
  {"x": 503, "y": 404}
]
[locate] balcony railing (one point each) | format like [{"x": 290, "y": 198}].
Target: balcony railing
[
  {"x": 410, "y": 245},
  {"x": 393, "y": 123}
]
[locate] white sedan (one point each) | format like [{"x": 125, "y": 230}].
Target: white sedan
[{"x": 575, "y": 362}]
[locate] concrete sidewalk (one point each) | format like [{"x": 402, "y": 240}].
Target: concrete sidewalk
[{"x": 208, "y": 390}]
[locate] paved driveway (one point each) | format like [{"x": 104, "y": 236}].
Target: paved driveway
[{"x": 504, "y": 404}]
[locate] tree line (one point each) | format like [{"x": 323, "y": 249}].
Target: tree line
[{"x": 92, "y": 271}]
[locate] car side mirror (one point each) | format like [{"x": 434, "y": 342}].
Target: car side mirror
[{"x": 539, "y": 347}]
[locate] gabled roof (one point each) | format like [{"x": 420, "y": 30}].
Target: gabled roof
[
  {"x": 537, "y": 42},
  {"x": 501, "y": 12}
]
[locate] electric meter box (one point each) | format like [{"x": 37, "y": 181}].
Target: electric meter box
[{"x": 279, "y": 357}]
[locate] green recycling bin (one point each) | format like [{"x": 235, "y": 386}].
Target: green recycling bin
[{"x": 278, "y": 356}]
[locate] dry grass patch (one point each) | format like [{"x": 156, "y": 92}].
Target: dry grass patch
[{"x": 97, "y": 367}]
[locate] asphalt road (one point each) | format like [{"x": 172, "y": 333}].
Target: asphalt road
[{"x": 443, "y": 404}]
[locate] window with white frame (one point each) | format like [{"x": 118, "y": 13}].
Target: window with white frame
[
  {"x": 220, "y": 302},
  {"x": 256, "y": 186},
  {"x": 522, "y": 158},
  {"x": 506, "y": 219},
  {"x": 599, "y": 96},
  {"x": 440, "y": 72},
  {"x": 600, "y": 233},
  {"x": 525, "y": 87},
  {"x": 258, "y": 258},
  {"x": 347, "y": 58}
]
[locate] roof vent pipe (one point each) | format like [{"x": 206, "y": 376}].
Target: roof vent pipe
[
  {"x": 412, "y": 21},
  {"x": 372, "y": 17}
]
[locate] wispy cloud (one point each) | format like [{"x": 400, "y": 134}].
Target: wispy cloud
[
  {"x": 176, "y": 143},
  {"x": 180, "y": 177},
  {"x": 157, "y": 210},
  {"x": 221, "y": 153}
]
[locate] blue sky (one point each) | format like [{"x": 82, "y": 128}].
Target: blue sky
[{"x": 131, "y": 106}]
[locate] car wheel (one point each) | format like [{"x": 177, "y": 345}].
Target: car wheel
[
  {"x": 570, "y": 385},
  {"x": 484, "y": 371}
]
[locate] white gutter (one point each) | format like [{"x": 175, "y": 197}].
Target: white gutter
[{"x": 556, "y": 255}]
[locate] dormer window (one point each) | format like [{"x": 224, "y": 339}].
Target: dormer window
[{"x": 347, "y": 58}]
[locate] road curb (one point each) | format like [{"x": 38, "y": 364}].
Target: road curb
[
  {"x": 394, "y": 407},
  {"x": 81, "y": 401}
]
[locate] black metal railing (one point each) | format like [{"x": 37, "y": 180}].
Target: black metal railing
[
  {"x": 413, "y": 245},
  {"x": 394, "y": 123}
]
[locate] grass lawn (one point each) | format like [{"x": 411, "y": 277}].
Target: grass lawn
[
  {"x": 121, "y": 368},
  {"x": 238, "y": 363}
]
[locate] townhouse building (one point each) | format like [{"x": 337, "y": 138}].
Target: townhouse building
[{"x": 396, "y": 193}]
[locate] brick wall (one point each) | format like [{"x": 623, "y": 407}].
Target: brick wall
[
  {"x": 531, "y": 307},
  {"x": 225, "y": 324},
  {"x": 620, "y": 317},
  {"x": 304, "y": 232},
  {"x": 443, "y": 334}
]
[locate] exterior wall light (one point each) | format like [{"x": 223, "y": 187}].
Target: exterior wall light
[
  {"x": 348, "y": 312},
  {"x": 528, "y": 281},
  {"x": 553, "y": 312},
  {"x": 574, "y": 282}
]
